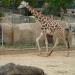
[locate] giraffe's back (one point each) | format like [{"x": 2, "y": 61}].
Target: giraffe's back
[{"x": 51, "y": 25}]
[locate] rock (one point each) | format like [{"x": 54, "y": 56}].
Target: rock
[{"x": 12, "y": 69}]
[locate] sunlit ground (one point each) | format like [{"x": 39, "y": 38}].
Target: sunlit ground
[{"x": 56, "y": 64}]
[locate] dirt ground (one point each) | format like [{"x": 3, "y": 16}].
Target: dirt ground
[{"x": 56, "y": 64}]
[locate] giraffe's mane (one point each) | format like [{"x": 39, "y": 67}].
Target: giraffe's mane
[{"x": 35, "y": 10}]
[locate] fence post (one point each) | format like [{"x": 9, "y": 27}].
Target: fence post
[{"x": 2, "y": 37}]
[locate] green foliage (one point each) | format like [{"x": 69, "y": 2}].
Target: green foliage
[
  {"x": 61, "y": 3},
  {"x": 10, "y": 3},
  {"x": 1, "y": 15},
  {"x": 72, "y": 6},
  {"x": 5, "y": 3},
  {"x": 56, "y": 5},
  {"x": 33, "y": 3},
  {"x": 46, "y": 0},
  {"x": 15, "y": 3}
]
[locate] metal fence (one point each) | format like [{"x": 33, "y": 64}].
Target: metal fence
[{"x": 19, "y": 31}]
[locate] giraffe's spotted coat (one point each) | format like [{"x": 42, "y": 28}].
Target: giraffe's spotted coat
[{"x": 47, "y": 24}]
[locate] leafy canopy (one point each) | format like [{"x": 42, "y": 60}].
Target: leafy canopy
[{"x": 56, "y": 5}]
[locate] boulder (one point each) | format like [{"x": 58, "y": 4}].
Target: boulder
[{"x": 12, "y": 69}]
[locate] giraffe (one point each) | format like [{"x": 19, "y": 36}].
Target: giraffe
[{"x": 48, "y": 26}]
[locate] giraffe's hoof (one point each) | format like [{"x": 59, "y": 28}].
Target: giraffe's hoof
[{"x": 49, "y": 54}]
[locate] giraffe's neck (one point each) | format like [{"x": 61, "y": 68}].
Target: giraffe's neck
[{"x": 37, "y": 14}]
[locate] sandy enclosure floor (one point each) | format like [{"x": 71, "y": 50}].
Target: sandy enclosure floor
[{"x": 56, "y": 64}]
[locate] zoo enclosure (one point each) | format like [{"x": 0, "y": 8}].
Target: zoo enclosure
[{"x": 21, "y": 31}]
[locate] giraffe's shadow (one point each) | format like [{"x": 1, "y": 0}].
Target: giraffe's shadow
[{"x": 43, "y": 54}]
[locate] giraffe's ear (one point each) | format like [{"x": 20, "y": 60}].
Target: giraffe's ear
[{"x": 23, "y": 4}]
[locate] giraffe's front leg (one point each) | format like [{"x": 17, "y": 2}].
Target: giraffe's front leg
[{"x": 37, "y": 42}]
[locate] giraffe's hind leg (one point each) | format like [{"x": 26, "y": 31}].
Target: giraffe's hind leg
[
  {"x": 67, "y": 44},
  {"x": 56, "y": 43},
  {"x": 65, "y": 38}
]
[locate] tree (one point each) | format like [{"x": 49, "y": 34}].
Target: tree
[
  {"x": 10, "y": 3},
  {"x": 5, "y": 3},
  {"x": 57, "y": 5},
  {"x": 15, "y": 3}
]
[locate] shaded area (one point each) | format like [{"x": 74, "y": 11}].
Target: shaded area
[{"x": 50, "y": 38}]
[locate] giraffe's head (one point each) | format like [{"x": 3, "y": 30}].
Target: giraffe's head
[{"x": 23, "y": 4}]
